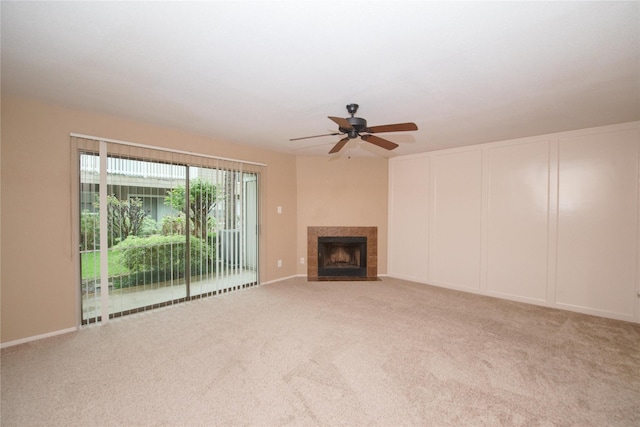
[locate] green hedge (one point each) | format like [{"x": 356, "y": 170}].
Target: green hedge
[
  {"x": 143, "y": 278},
  {"x": 164, "y": 254}
]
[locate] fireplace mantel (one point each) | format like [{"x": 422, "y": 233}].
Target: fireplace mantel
[{"x": 371, "y": 233}]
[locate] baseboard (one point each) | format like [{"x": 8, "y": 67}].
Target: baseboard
[
  {"x": 525, "y": 300},
  {"x": 37, "y": 337},
  {"x": 74, "y": 329},
  {"x": 282, "y": 279},
  {"x": 597, "y": 312}
]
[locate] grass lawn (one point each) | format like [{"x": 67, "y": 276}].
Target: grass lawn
[{"x": 90, "y": 263}]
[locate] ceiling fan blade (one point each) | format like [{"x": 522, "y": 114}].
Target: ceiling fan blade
[
  {"x": 376, "y": 140},
  {"x": 315, "y": 136},
  {"x": 342, "y": 123},
  {"x": 398, "y": 127},
  {"x": 339, "y": 145}
]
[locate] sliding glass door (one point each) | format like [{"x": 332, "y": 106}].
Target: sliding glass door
[
  {"x": 227, "y": 220},
  {"x": 159, "y": 231}
]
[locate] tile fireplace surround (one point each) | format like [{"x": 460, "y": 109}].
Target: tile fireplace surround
[{"x": 371, "y": 233}]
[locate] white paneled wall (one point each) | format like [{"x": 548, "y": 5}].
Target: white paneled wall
[
  {"x": 598, "y": 222},
  {"x": 455, "y": 214},
  {"x": 551, "y": 220},
  {"x": 517, "y": 201},
  {"x": 408, "y": 218}
]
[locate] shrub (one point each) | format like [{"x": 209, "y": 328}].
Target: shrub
[
  {"x": 149, "y": 227},
  {"x": 140, "y": 278},
  {"x": 173, "y": 224},
  {"x": 164, "y": 254},
  {"x": 124, "y": 217},
  {"x": 212, "y": 239},
  {"x": 89, "y": 230}
]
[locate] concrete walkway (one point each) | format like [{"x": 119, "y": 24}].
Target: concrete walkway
[{"x": 121, "y": 300}]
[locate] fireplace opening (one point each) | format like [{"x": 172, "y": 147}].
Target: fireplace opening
[{"x": 342, "y": 256}]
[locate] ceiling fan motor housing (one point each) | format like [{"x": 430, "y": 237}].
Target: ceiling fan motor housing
[{"x": 358, "y": 125}]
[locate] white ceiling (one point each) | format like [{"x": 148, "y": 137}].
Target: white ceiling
[{"x": 260, "y": 73}]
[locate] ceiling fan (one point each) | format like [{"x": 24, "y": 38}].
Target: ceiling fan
[{"x": 353, "y": 126}]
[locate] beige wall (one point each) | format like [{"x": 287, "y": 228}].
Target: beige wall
[
  {"x": 551, "y": 220},
  {"x": 453, "y": 216},
  {"x": 342, "y": 192},
  {"x": 37, "y": 274}
]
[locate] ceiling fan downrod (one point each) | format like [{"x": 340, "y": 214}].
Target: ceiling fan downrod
[{"x": 358, "y": 124}]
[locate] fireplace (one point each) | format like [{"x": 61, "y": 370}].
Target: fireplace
[
  {"x": 342, "y": 256},
  {"x": 342, "y": 253}
]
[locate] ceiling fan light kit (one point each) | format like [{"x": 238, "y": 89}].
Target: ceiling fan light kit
[{"x": 353, "y": 126}]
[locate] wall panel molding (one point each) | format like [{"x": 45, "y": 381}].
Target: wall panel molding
[
  {"x": 598, "y": 222},
  {"x": 517, "y": 200},
  {"x": 552, "y": 220},
  {"x": 408, "y": 222},
  {"x": 455, "y": 218}
]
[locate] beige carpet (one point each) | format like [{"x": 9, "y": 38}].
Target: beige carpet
[{"x": 332, "y": 353}]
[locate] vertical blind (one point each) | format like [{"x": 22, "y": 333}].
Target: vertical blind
[{"x": 159, "y": 227}]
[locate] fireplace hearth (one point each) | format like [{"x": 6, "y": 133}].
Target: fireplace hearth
[{"x": 342, "y": 253}]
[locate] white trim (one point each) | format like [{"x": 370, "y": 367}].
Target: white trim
[
  {"x": 553, "y": 212},
  {"x": 525, "y": 300},
  {"x": 38, "y": 337},
  {"x": 281, "y": 279},
  {"x": 551, "y": 292},
  {"x": 104, "y": 231},
  {"x": 637, "y": 307},
  {"x": 171, "y": 150}
]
